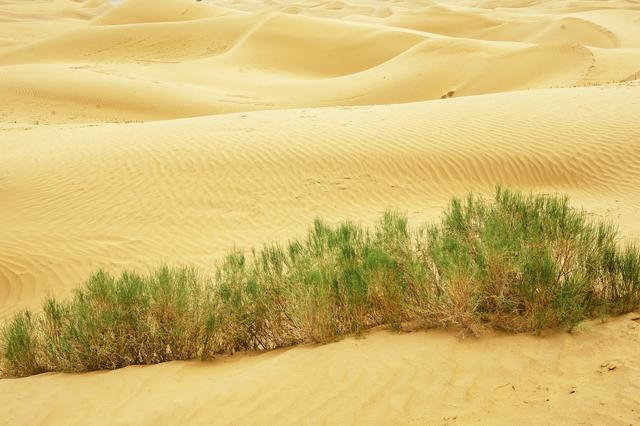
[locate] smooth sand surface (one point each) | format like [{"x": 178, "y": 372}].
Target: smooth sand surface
[{"x": 172, "y": 131}]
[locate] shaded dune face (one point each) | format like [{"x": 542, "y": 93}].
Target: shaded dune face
[{"x": 144, "y": 132}]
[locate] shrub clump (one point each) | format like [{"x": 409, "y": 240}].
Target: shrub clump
[{"x": 518, "y": 262}]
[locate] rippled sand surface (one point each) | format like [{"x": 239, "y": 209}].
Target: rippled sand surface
[{"x": 174, "y": 130}]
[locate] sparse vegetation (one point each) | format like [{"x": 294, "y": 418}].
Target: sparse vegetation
[{"x": 519, "y": 263}]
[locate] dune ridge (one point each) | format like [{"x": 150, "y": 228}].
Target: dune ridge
[{"x": 221, "y": 58}]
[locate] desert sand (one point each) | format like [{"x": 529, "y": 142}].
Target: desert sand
[{"x": 144, "y": 132}]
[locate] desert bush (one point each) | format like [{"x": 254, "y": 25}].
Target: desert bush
[
  {"x": 517, "y": 262},
  {"x": 529, "y": 262},
  {"x": 21, "y": 347}
]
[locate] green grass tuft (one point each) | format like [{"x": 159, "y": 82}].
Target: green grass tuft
[{"x": 518, "y": 262}]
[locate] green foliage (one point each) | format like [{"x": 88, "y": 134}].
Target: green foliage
[
  {"x": 520, "y": 263},
  {"x": 20, "y": 346},
  {"x": 532, "y": 261}
]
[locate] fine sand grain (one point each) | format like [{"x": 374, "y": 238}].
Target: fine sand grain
[{"x": 174, "y": 130}]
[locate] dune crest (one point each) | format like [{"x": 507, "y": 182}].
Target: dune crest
[{"x": 229, "y": 57}]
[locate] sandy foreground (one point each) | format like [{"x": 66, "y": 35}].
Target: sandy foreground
[{"x": 171, "y": 131}]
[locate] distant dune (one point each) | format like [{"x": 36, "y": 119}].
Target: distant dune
[
  {"x": 219, "y": 58},
  {"x": 171, "y": 131}
]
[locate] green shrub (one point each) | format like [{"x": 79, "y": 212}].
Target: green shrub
[
  {"x": 530, "y": 262},
  {"x": 519, "y": 262},
  {"x": 21, "y": 347}
]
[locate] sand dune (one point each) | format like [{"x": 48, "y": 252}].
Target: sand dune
[
  {"x": 75, "y": 191},
  {"x": 25, "y": 22},
  {"x": 212, "y": 59},
  {"x": 529, "y": 28},
  {"x": 149, "y": 11},
  {"x": 172, "y": 131}
]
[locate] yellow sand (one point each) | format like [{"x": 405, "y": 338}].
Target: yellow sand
[{"x": 174, "y": 130}]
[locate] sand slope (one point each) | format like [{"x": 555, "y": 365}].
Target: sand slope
[
  {"x": 113, "y": 195},
  {"x": 419, "y": 378},
  {"x": 172, "y": 131}
]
